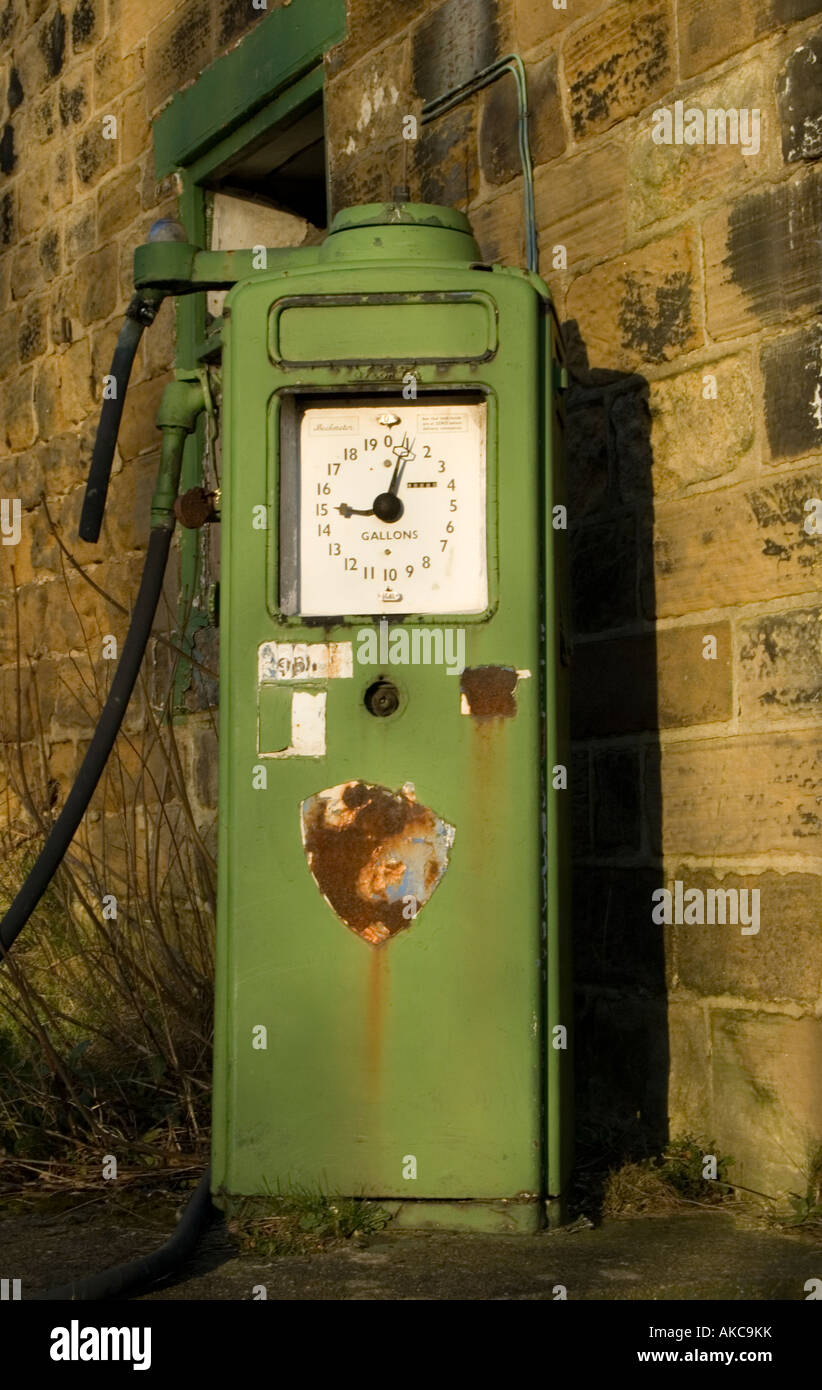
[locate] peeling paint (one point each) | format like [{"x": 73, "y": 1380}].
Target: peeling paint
[
  {"x": 376, "y": 855},
  {"x": 307, "y": 728},
  {"x": 304, "y": 661},
  {"x": 488, "y": 692}
]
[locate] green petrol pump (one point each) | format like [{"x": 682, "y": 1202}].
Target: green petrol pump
[{"x": 392, "y": 1009}]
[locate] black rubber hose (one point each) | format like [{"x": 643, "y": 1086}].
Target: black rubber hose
[
  {"x": 139, "y": 314},
  {"x": 136, "y": 1274},
  {"x": 111, "y": 717}
]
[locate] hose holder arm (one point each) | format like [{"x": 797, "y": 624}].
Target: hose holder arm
[{"x": 183, "y": 401}]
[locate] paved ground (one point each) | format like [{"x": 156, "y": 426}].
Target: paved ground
[{"x": 699, "y": 1255}]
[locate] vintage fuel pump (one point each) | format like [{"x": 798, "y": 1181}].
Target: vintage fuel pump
[
  {"x": 392, "y": 1012},
  {"x": 392, "y": 952}
]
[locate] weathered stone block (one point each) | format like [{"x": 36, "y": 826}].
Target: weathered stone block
[
  {"x": 8, "y": 152},
  {"x": 73, "y": 100},
  {"x": 366, "y": 180},
  {"x": 11, "y": 17},
  {"x": 52, "y": 467},
  {"x": 87, "y": 20},
  {"x": 366, "y": 105},
  {"x": 38, "y": 553},
  {"x": 445, "y": 159},
  {"x": 748, "y": 795},
  {"x": 689, "y": 1044},
  {"x": 135, "y": 128},
  {"x": 116, "y": 68},
  {"x": 137, "y": 18},
  {"x": 367, "y": 28},
  {"x": 97, "y": 281},
  {"x": 177, "y": 50},
  {"x": 14, "y": 90},
  {"x": 782, "y": 961},
  {"x": 618, "y": 63},
  {"x": 47, "y": 398},
  {"x": 35, "y": 190},
  {"x": 75, "y": 706},
  {"x": 159, "y": 345},
  {"x": 536, "y": 20},
  {"x": 711, "y": 30},
  {"x": 17, "y": 720},
  {"x": 734, "y": 546},
  {"x": 80, "y": 231},
  {"x": 94, "y": 154},
  {"x": 63, "y": 318},
  {"x": 666, "y": 180},
  {"x": 61, "y": 192},
  {"x": 9, "y": 325},
  {"x": 800, "y": 101},
  {"x": 8, "y": 218},
  {"x": 792, "y": 374},
  {"x": 45, "y": 118},
  {"x": 117, "y": 200},
  {"x": 138, "y": 429},
  {"x": 697, "y": 435},
  {"x": 31, "y": 336},
  {"x": 5, "y": 281},
  {"x": 75, "y": 374},
  {"x": 451, "y": 43},
  {"x": 767, "y": 1101},
  {"x": 498, "y": 132},
  {"x": 129, "y": 503},
  {"x": 779, "y": 666},
  {"x": 27, "y": 273},
  {"x": 763, "y": 257},
  {"x": 48, "y": 252},
  {"x": 642, "y": 307},
  {"x": 103, "y": 342},
  {"x": 546, "y": 122}
]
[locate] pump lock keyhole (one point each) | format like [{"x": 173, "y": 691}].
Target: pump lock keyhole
[{"x": 382, "y": 698}]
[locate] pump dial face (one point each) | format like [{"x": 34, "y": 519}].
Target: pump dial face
[{"x": 392, "y": 508}]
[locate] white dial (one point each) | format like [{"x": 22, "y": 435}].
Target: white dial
[{"x": 392, "y": 508}]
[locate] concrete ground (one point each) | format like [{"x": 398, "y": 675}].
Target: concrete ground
[{"x": 700, "y": 1254}]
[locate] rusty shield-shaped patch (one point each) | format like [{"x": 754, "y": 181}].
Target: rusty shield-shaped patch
[{"x": 375, "y": 855}]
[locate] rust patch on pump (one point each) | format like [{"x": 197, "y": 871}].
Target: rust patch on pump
[
  {"x": 488, "y": 691},
  {"x": 376, "y": 855}
]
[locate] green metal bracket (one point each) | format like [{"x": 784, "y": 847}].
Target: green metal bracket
[
  {"x": 283, "y": 47},
  {"x": 371, "y": 232},
  {"x": 177, "y": 267},
  {"x": 181, "y": 406}
]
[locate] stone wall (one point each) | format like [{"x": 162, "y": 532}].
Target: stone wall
[
  {"x": 687, "y": 278},
  {"x": 77, "y": 194}
]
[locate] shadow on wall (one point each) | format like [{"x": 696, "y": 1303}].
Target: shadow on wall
[{"x": 621, "y": 1032}]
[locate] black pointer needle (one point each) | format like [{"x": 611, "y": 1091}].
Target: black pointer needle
[
  {"x": 387, "y": 506},
  {"x": 345, "y": 510}
]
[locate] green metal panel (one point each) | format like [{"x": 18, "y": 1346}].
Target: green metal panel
[
  {"x": 438, "y": 1043},
  {"x": 283, "y": 47},
  {"x": 410, "y": 327}
]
